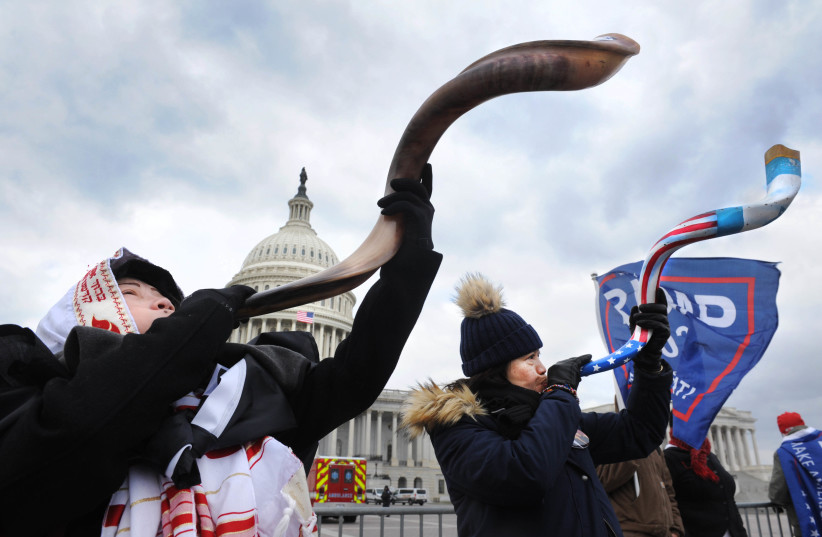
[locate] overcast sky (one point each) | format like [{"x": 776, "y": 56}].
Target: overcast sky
[{"x": 178, "y": 130}]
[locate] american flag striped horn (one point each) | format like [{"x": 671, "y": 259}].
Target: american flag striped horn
[
  {"x": 533, "y": 66},
  {"x": 783, "y": 176}
]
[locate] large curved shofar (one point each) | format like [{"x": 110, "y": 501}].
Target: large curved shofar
[{"x": 534, "y": 66}]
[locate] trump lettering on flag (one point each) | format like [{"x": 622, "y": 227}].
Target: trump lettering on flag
[
  {"x": 305, "y": 317},
  {"x": 723, "y": 315}
]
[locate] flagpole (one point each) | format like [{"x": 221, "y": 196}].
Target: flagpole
[
  {"x": 594, "y": 277},
  {"x": 617, "y": 394},
  {"x": 620, "y": 403}
]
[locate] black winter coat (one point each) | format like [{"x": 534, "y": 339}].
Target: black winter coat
[
  {"x": 70, "y": 429},
  {"x": 538, "y": 484},
  {"x": 386, "y": 498},
  {"x": 708, "y": 509}
]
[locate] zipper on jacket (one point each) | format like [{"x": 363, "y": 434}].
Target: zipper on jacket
[{"x": 610, "y": 529}]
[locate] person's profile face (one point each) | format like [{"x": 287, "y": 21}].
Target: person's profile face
[
  {"x": 527, "y": 372},
  {"x": 145, "y": 302}
]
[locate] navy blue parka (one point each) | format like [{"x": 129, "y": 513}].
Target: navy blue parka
[{"x": 543, "y": 482}]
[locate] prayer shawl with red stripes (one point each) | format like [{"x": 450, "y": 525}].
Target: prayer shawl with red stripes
[
  {"x": 255, "y": 489},
  {"x": 258, "y": 488}
]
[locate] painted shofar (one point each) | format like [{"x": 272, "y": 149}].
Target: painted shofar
[{"x": 783, "y": 177}]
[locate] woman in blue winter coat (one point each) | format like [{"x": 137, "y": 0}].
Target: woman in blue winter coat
[{"x": 517, "y": 453}]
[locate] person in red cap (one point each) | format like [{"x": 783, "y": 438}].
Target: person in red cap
[{"x": 793, "y": 479}]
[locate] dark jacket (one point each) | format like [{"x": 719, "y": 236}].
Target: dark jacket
[
  {"x": 779, "y": 494},
  {"x": 386, "y": 497},
  {"x": 538, "y": 483},
  {"x": 70, "y": 430},
  {"x": 708, "y": 509},
  {"x": 654, "y": 512}
]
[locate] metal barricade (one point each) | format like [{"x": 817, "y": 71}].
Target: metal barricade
[
  {"x": 761, "y": 519},
  {"x": 764, "y": 519},
  {"x": 350, "y": 512}
]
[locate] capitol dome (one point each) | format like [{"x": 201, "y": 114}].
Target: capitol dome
[{"x": 295, "y": 252}]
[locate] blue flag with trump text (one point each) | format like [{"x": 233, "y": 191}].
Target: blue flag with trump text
[{"x": 723, "y": 315}]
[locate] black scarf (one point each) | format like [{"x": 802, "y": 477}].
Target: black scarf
[{"x": 512, "y": 406}]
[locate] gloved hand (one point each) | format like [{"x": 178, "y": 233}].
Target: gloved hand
[
  {"x": 568, "y": 371},
  {"x": 652, "y": 317},
  {"x": 411, "y": 197},
  {"x": 232, "y": 298}
]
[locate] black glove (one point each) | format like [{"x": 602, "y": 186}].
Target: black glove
[
  {"x": 232, "y": 298},
  {"x": 652, "y": 317},
  {"x": 568, "y": 371},
  {"x": 411, "y": 197}
]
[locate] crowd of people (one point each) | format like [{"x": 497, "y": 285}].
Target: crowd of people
[{"x": 129, "y": 413}]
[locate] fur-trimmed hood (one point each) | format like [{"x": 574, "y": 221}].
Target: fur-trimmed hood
[{"x": 430, "y": 406}]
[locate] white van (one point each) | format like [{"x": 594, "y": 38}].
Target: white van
[
  {"x": 412, "y": 496},
  {"x": 375, "y": 496},
  {"x": 420, "y": 496}
]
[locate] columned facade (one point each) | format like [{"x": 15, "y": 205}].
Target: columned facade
[
  {"x": 732, "y": 436},
  {"x": 393, "y": 458},
  {"x": 733, "y": 439}
]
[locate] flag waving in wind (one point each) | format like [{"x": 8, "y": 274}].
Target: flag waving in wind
[
  {"x": 305, "y": 317},
  {"x": 723, "y": 315}
]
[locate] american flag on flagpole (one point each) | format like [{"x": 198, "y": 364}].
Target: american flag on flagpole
[{"x": 305, "y": 317}]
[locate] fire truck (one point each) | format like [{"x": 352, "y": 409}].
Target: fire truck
[{"x": 337, "y": 480}]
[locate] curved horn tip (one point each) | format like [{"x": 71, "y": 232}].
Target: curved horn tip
[
  {"x": 631, "y": 46},
  {"x": 780, "y": 150}
]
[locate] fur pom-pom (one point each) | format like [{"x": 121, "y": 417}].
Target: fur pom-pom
[{"x": 477, "y": 297}]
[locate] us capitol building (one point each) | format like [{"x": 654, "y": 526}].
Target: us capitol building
[{"x": 296, "y": 251}]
